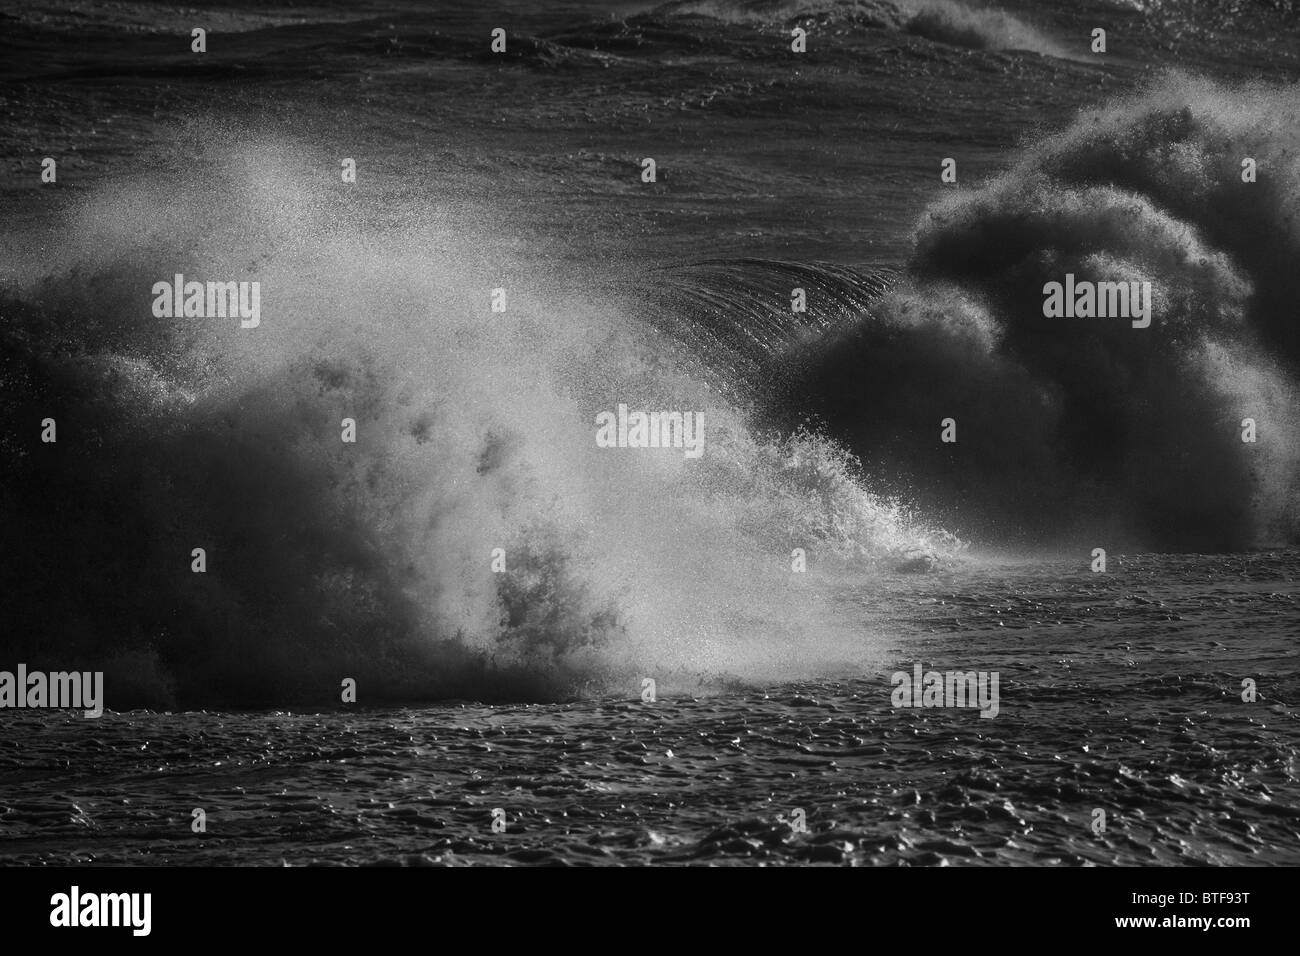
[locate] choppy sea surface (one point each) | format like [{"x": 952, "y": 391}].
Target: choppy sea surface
[{"x": 1121, "y": 692}]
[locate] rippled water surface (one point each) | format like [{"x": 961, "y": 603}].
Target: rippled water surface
[{"x": 1118, "y": 691}]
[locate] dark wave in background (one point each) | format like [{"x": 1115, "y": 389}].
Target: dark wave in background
[
  {"x": 1089, "y": 429},
  {"x": 328, "y": 560}
]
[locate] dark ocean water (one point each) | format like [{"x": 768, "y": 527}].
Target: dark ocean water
[{"x": 1120, "y": 691}]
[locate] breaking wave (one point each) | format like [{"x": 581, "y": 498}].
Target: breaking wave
[
  {"x": 1090, "y": 430},
  {"x": 944, "y": 21},
  {"x": 373, "y": 560}
]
